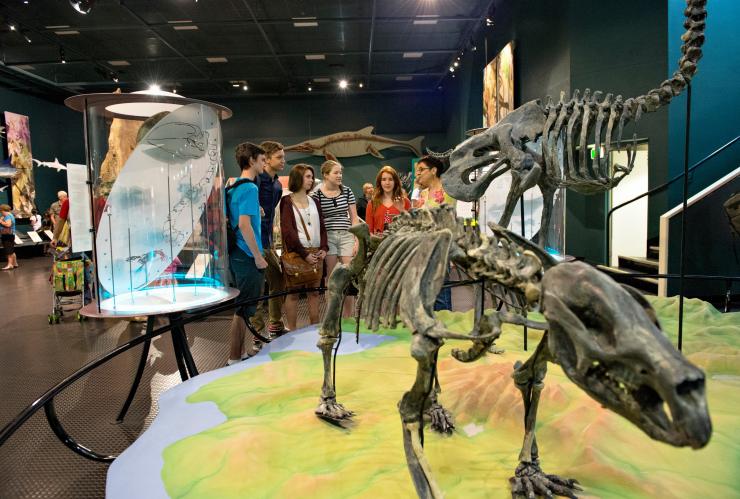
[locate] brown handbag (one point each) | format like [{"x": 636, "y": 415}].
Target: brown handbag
[{"x": 298, "y": 272}]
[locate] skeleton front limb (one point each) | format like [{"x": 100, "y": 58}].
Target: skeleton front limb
[
  {"x": 529, "y": 479},
  {"x": 424, "y": 349}
]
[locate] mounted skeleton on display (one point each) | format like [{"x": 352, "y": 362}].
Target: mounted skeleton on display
[
  {"x": 547, "y": 146},
  {"x": 605, "y": 336}
]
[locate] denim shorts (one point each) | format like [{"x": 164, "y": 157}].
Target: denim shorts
[
  {"x": 341, "y": 242},
  {"x": 249, "y": 280}
]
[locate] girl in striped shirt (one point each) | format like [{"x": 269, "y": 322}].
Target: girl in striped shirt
[{"x": 339, "y": 208}]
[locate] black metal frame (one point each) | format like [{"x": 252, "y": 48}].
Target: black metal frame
[{"x": 685, "y": 176}]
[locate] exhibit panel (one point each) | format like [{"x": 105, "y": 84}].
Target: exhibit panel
[{"x": 159, "y": 222}]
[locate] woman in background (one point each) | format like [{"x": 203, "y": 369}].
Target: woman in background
[
  {"x": 388, "y": 202},
  {"x": 338, "y": 205},
  {"x": 303, "y": 231},
  {"x": 7, "y": 232}
]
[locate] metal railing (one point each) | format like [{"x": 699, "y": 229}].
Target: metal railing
[{"x": 654, "y": 190}]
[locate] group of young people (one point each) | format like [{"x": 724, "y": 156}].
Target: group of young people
[{"x": 312, "y": 222}]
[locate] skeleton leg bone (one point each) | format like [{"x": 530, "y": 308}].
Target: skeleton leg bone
[
  {"x": 529, "y": 480},
  {"x": 424, "y": 349},
  {"x": 329, "y": 333}
]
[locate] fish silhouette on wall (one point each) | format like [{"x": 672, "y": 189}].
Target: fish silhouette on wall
[
  {"x": 351, "y": 144},
  {"x": 51, "y": 164}
]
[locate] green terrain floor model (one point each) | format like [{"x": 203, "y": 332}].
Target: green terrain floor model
[{"x": 272, "y": 445}]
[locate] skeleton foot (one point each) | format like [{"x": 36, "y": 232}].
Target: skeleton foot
[
  {"x": 530, "y": 481},
  {"x": 331, "y": 410},
  {"x": 441, "y": 419},
  {"x": 495, "y": 349}
]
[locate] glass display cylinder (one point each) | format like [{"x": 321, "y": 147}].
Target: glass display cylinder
[{"x": 156, "y": 182}]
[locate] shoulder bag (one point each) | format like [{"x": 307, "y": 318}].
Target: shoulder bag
[{"x": 298, "y": 272}]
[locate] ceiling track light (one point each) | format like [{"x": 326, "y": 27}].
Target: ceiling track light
[
  {"x": 82, "y": 6},
  {"x": 343, "y": 84},
  {"x": 310, "y": 88},
  {"x": 245, "y": 87},
  {"x": 11, "y": 26},
  {"x": 61, "y": 55}
]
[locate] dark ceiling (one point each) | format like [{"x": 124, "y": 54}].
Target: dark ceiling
[{"x": 267, "y": 45}]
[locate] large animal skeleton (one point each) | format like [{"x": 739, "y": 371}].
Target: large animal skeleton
[
  {"x": 548, "y": 145},
  {"x": 605, "y": 336}
]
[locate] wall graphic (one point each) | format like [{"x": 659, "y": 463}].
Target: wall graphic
[
  {"x": 498, "y": 87},
  {"x": 18, "y": 136}
]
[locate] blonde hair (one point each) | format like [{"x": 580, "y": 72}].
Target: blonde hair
[
  {"x": 4, "y": 207},
  {"x": 328, "y": 165}
]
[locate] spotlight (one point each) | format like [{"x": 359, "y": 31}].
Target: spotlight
[
  {"x": 452, "y": 69},
  {"x": 245, "y": 88},
  {"x": 235, "y": 85},
  {"x": 310, "y": 88},
  {"x": 456, "y": 64},
  {"x": 155, "y": 88},
  {"x": 82, "y": 6},
  {"x": 114, "y": 77},
  {"x": 343, "y": 84},
  {"x": 361, "y": 85},
  {"x": 61, "y": 55},
  {"x": 474, "y": 48},
  {"x": 25, "y": 37},
  {"x": 12, "y": 27},
  {"x": 174, "y": 90}
]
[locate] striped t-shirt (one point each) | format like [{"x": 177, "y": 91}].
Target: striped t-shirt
[{"x": 336, "y": 210}]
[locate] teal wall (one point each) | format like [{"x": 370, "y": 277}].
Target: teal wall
[
  {"x": 614, "y": 50},
  {"x": 715, "y": 120},
  {"x": 292, "y": 120},
  {"x": 56, "y": 131}
]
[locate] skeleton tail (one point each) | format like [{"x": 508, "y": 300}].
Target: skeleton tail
[{"x": 574, "y": 122}]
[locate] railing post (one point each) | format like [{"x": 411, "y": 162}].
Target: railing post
[{"x": 682, "y": 270}]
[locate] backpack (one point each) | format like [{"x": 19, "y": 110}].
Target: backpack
[{"x": 230, "y": 231}]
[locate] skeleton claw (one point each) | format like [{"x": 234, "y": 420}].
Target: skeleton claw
[
  {"x": 332, "y": 411},
  {"x": 441, "y": 419},
  {"x": 530, "y": 481}
]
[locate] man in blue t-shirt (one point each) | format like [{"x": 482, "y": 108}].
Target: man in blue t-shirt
[
  {"x": 246, "y": 261},
  {"x": 270, "y": 193}
]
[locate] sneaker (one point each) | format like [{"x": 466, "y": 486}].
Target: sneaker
[
  {"x": 253, "y": 351},
  {"x": 276, "y": 331},
  {"x": 231, "y": 362}
]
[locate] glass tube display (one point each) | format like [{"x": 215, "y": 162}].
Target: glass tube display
[{"x": 155, "y": 167}]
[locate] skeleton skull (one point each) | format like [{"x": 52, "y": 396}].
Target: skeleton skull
[
  {"x": 512, "y": 143},
  {"x": 609, "y": 343}
]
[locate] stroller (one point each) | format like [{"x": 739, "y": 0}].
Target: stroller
[{"x": 68, "y": 283}]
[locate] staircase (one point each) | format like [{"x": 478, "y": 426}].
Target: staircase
[{"x": 636, "y": 265}]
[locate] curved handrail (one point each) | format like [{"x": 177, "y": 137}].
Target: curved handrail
[
  {"x": 657, "y": 189},
  {"x": 47, "y": 397}
]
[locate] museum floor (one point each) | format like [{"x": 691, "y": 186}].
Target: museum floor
[
  {"x": 601, "y": 447},
  {"x": 35, "y": 356}
]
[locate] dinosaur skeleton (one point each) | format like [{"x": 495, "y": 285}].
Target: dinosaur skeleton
[
  {"x": 547, "y": 145},
  {"x": 606, "y": 337}
]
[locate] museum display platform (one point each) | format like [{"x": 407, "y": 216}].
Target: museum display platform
[{"x": 249, "y": 430}]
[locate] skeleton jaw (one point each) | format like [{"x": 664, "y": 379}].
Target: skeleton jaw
[
  {"x": 467, "y": 159},
  {"x": 675, "y": 415}
]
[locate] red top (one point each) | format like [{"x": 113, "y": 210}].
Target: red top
[
  {"x": 64, "y": 210},
  {"x": 376, "y": 218}
]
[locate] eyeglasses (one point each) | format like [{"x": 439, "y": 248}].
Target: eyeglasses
[{"x": 421, "y": 168}]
